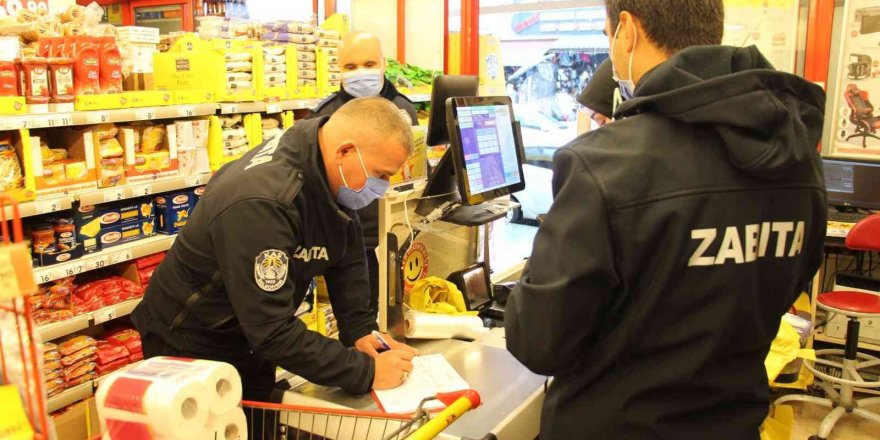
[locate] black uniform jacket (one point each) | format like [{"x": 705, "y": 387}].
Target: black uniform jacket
[
  {"x": 239, "y": 269},
  {"x": 678, "y": 237}
]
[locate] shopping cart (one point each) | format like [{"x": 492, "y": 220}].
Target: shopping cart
[{"x": 291, "y": 422}]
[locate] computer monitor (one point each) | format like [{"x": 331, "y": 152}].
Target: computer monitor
[
  {"x": 474, "y": 283},
  {"x": 445, "y": 87},
  {"x": 486, "y": 148},
  {"x": 852, "y": 183}
]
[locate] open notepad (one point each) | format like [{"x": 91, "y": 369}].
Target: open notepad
[{"x": 431, "y": 374}]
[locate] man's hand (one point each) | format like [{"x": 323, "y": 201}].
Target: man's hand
[
  {"x": 371, "y": 346},
  {"x": 392, "y": 367}
]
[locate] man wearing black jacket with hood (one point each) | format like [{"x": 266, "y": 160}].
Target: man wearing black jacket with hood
[{"x": 678, "y": 237}]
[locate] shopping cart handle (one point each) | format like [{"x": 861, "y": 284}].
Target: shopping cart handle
[{"x": 449, "y": 398}]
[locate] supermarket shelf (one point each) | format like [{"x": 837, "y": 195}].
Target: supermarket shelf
[
  {"x": 56, "y": 330},
  {"x": 39, "y": 207},
  {"x": 50, "y": 332},
  {"x": 50, "y": 120},
  {"x": 125, "y": 368},
  {"x": 232, "y": 108},
  {"x": 71, "y": 396},
  {"x": 109, "y": 257},
  {"x": 300, "y": 104},
  {"x": 134, "y": 190},
  {"x": 828, "y": 339}
]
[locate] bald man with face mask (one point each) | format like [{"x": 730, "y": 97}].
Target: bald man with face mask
[{"x": 362, "y": 64}]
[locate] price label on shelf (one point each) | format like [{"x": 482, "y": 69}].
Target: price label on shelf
[
  {"x": 97, "y": 263},
  {"x": 273, "y": 108},
  {"x": 193, "y": 180},
  {"x": 39, "y": 122},
  {"x": 103, "y": 315},
  {"x": 63, "y": 119},
  {"x": 186, "y": 111},
  {"x": 120, "y": 257},
  {"x": 112, "y": 195},
  {"x": 97, "y": 117},
  {"x": 229, "y": 108},
  {"x": 43, "y": 277},
  {"x": 47, "y": 206},
  {"x": 74, "y": 269},
  {"x": 142, "y": 190},
  {"x": 145, "y": 114}
]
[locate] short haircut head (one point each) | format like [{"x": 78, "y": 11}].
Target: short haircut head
[
  {"x": 674, "y": 25},
  {"x": 377, "y": 115}
]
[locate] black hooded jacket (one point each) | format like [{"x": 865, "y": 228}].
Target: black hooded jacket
[
  {"x": 230, "y": 285},
  {"x": 678, "y": 237}
]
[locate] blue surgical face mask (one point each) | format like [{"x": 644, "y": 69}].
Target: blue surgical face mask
[
  {"x": 362, "y": 83},
  {"x": 360, "y": 199},
  {"x": 627, "y": 86}
]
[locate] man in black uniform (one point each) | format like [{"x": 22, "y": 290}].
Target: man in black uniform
[
  {"x": 678, "y": 237},
  {"x": 363, "y": 74},
  {"x": 598, "y": 95},
  {"x": 267, "y": 224}
]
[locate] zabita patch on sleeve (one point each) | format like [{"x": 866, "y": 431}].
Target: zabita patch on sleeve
[{"x": 270, "y": 269}]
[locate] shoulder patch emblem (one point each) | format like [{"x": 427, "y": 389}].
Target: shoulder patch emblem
[{"x": 270, "y": 269}]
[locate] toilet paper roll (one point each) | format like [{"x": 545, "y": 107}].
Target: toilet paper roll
[
  {"x": 221, "y": 381},
  {"x": 168, "y": 404},
  {"x": 231, "y": 425},
  {"x": 433, "y": 326}
]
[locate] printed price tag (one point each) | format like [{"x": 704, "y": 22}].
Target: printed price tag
[
  {"x": 142, "y": 190},
  {"x": 47, "y": 206},
  {"x": 114, "y": 195},
  {"x": 97, "y": 117},
  {"x": 57, "y": 274},
  {"x": 75, "y": 269},
  {"x": 63, "y": 120},
  {"x": 193, "y": 180},
  {"x": 43, "y": 277},
  {"x": 145, "y": 114},
  {"x": 96, "y": 263},
  {"x": 273, "y": 108},
  {"x": 186, "y": 111},
  {"x": 103, "y": 315},
  {"x": 231, "y": 108},
  {"x": 120, "y": 257}
]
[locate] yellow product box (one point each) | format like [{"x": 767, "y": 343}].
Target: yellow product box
[
  {"x": 109, "y": 155},
  {"x": 12, "y": 105},
  {"x": 59, "y": 161},
  {"x": 149, "y": 98},
  {"x": 205, "y": 70},
  {"x": 193, "y": 96},
  {"x": 216, "y": 152},
  {"x": 416, "y": 165},
  {"x": 14, "y": 183},
  {"x": 150, "y": 152},
  {"x": 101, "y": 102}
]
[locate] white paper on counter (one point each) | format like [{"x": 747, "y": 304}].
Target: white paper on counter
[{"x": 432, "y": 374}]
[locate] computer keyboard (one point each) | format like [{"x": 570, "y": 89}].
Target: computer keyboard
[{"x": 845, "y": 217}]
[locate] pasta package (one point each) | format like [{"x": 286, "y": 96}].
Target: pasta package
[
  {"x": 155, "y": 161},
  {"x": 238, "y": 76},
  {"x": 239, "y": 66},
  {"x": 76, "y": 344},
  {"x": 275, "y": 59},
  {"x": 53, "y": 173},
  {"x": 235, "y": 133},
  {"x": 232, "y": 86},
  {"x": 107, "y": 132},
  {"x": 231, "y": 120},
  {"x": 79, "y": 356},
  {"x": 327, "y": 34},
  {"x": 275, "y": 68},
  {"x": 306, "y": 56},
  {"x": 73, "y": 13},
  {"x": 238, "y": 56},
  {"x": 305, "y": 47},
  {"x": 328, "y": 43},
  {"x": 75, "y": 169},
  {"x": 10, "y": 169},
  {"x": 110, "y": 148},
  {"x": 306, "y": 65},
  {"x": 274, "y": 50},
  {"x": 112, "y": 172}
]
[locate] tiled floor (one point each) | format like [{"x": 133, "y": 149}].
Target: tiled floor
[{"x": 808, "y": 417}]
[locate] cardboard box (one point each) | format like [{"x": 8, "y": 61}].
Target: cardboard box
[
  {"x": 146, "y": 167},
  {"x": 59, "y": 256},
  {"x": 126, "y": 233},
  {"x": 74, "y": 422},
  {"x": 173, "y": 209},
  {"x": 90, "y": 221},
  {"x": 53, "y": 179}
]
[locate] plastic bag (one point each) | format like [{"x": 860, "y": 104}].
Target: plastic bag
[{"x": 75, "y": 344}]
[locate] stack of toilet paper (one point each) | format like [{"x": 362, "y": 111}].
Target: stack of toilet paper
[{"x": 172, "y": 398}]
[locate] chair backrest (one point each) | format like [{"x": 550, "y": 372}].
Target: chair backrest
[
  {"x": 865, "y": 235},
  {"x": 858, "y": 101}
]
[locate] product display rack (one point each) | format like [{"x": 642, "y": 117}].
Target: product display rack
[{"x": 79, "y": 392}]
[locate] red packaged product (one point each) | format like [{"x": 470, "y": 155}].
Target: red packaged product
[
  {"x": 51, "y": 356},
  {"x": 36, "y": 74},
  {"x": 112, "y": 366},
  {"x": 79, "y": 356},
  {"x": 108, "y": 352},
  {"x": 136, "y": 357},
  {"x": 145, "y": 275},
  {"x": 129, "y": 338},
  {"x": 9, "y": 83},
  {"x": 48, "y": 316},
  {"x": 150, "y": 260},
  {"x": 76, "y": 344},
  {"x": 44, "y": 47},
  {"x": 52, "y": 365},
  {"x": 86, "y": 66},
  {"x": 91, "y": 375},
  {"x": 52, "y": 375},
  {"x": 111, "y": 66},
  {"x": 61, "y": 79},
  {"x": 57, "y": 301},
  {"x": 54, "y": 387}
]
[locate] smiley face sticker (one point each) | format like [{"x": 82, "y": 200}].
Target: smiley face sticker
[{"x": 415, "y": 265}]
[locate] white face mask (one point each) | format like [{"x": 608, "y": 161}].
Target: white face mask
[{"x": 627, "y": 86}]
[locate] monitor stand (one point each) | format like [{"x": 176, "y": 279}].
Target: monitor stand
[{"x": 476, "y": 215}]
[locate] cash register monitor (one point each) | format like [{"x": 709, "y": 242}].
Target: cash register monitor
[
  {"x": 852, "y": 183},
  {"x": 486, "y": 147},
  {"x": 474, "y": 284},
  {"x": 445, "y": 87}
]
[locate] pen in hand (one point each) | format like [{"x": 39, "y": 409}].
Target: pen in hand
[{"x": 378, "y": 336}]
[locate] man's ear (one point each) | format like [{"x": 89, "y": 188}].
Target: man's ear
[{"x": 344, "y": 150}]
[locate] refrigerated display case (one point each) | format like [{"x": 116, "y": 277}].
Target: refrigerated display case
[{"x": 167, "y": 15}]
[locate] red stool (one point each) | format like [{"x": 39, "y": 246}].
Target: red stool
[{"x": 864, "y": 236}]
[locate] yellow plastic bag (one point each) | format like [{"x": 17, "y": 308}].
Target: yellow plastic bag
[
  {"x": 436, "y": 295},
  {"x": 778, "y": 425},
  {"x": 784, "y": 349}
]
